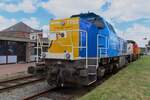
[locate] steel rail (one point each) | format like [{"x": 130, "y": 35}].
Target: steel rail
[{"x": 18, "y": 82}]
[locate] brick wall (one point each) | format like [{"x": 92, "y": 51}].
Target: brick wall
[{"x": 15, "y": 34}]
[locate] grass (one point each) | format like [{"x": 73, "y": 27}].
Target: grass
[{"x": 131, "y": 83}]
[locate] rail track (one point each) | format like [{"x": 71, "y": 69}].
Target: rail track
[
  {"x": 65, "y": 93},
  {"x": 70, "y": 93},
  {"x": 18, "y": 82},
  {"x": 53, "y": 94}
]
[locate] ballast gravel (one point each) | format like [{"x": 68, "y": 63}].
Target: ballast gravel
[{"x": 25, "y": 91}]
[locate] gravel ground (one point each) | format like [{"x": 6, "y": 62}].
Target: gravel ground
[
  {"x": 12, "y": 76},
  {"x": 44, "y": 98},
  {"x": 25, "y": 91}
]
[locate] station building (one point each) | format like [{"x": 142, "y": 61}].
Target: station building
[{"x": 17, "y": 44}]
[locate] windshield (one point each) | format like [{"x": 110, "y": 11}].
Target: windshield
[{"x": 98, "y": 22}]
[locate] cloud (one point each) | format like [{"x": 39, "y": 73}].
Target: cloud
[
  {"x": 128, "y": 10},
  {"x": 27, "y": 6},
  {"x": 106, "y": 5},
  {"x": 138, "y": 28},
  {"x": 45, "y": 29},
  {"x": 5, "y": 23},
  {"x": 32, "y": 22},
  {"x": 66, "y": 8},
  {"x": 118, "y": 9},
  {"x": 9, "y": 7},
  {"x": 137, "y": 33}
]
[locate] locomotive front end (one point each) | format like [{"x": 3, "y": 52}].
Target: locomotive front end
[
  {"x": 64, "y": 37},
  {"x": 63, "y": 52}
]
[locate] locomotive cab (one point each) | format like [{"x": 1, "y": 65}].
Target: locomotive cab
[{"x": 70, "y": 50}]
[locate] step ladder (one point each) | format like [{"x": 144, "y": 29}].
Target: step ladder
[
  {"x": 40, "y": 45},
  {"x": 93, "y": 64}
]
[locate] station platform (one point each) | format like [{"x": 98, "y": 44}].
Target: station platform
[{"x": 13, "y": 70}]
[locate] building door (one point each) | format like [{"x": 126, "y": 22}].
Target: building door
[
  {"x": 21, "y": 52},
  {"x": 3, "y": 52}
]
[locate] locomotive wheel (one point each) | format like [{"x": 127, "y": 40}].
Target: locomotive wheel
[
  {"x": 115, "y": 68},
  {"x": 126, "y": 63},
  {"x": 52, "y": 76},
  {"x": 111, "y": 69},
  {"x": 100, "y": 73}
]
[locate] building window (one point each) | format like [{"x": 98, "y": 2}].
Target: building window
[
  {"x": 12, "y": 48},
  {"x": 3, "y": 47}
]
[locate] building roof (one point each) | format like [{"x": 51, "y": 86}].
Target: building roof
[
  {"x": 21, "y": 27},
  {"x": 18, "y": 32}
]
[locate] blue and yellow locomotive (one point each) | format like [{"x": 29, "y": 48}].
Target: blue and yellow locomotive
[{"x": 83, "y": 49}]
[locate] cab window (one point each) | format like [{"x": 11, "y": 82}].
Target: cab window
[{"x": 98, "y": 22}]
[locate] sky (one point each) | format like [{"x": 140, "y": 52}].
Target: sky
[{"x": 131, "y": 18}]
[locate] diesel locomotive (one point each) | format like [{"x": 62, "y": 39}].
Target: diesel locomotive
[{"x": 83, "y": 48}]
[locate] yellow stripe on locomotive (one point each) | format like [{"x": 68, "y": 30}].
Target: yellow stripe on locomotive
[{"x": 67, "y": 37}]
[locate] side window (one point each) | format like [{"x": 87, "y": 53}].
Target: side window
[{"x": 2, "y": 47}]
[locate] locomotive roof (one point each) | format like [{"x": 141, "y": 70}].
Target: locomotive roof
[
  {"x": 93, "y": 18},
  {"x": 86, "y": 15}
]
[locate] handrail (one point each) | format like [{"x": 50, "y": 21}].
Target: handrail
[{"x": 72, "y": 46}]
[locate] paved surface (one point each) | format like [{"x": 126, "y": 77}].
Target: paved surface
[{"x": 10, "y": 69}]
